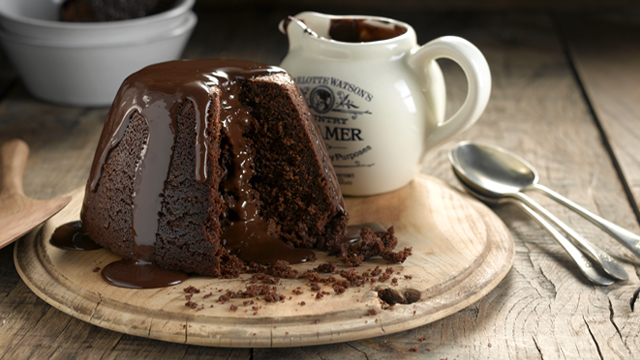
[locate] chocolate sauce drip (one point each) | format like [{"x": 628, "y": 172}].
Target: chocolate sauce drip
[
  {"x": 156, "y": 93},
  {"x": 363, "y": 30},
  {"x": 71, "y": 236},
  {"x": 248, "y": 238},
  {"x": 140, "y": 275},
  {"x": 353, "y": 231},
  {"x": 251, "y": 242}
]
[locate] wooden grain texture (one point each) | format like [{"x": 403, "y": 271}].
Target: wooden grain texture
[
  {"x": 542, "y": 309},
  {"x": 605, "y": 49},
  {"x": 459, "y": 255},
  {"x": 20, "y": 214}
]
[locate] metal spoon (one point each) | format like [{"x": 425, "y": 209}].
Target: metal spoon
[
  {"x": 479, "y": 175},
  {"x": 493, "y": 170},
  {"x": 584, "y": 264}
]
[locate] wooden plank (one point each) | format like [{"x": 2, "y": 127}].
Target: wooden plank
[
  {"x": 605, "y": 49},
  {"x": 543, "y": 308}
]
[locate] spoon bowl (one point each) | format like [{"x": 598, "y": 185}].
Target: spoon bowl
[
  {"x": 495, "y": 172},
  {"x": 492, "y": 170}
]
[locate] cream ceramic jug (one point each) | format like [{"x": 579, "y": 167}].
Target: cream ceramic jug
[{"x": 379, "y": 102}]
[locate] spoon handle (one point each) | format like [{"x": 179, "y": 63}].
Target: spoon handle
[
  {"x": 608, "y": 264},
  {"x": 584, "y": 264},
  {"x": 626, "y": 237}
]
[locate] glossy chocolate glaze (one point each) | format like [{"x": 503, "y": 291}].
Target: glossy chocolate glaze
[
  {"x": 71, "y": 236},
  {"x": 363, "y": 30},
  {"x": 156, "y": 93},
  {"x": 251, "y": 242}
]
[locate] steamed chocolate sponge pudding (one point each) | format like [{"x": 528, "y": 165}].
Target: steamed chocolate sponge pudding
[{"x": 205, "y": 166}]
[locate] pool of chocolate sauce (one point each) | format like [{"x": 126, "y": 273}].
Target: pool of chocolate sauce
[{"x": 71, "y": 236}]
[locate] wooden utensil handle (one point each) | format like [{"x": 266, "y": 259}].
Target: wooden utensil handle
[{"x": 13, "y": 159}]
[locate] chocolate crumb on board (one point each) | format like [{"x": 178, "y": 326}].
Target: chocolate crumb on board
[
  {"x": 314, "y": 286},
  {"x": 263, "y": 281},
  {"x": 372, "y": 312},
  {"x": 339, "y": 289},
  {"x": 327, "y": 268},
  {"x": 191, "y": 290},
  {"x": 414, "y": 349},
  {"x": 371, "y": 244},
  {"x": 96, "y": 269}
]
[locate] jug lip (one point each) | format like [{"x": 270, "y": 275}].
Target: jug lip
[{"x": 409, "y": 34}]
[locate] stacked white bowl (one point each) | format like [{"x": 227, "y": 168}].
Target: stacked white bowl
[{"x": 83, "y": 64}]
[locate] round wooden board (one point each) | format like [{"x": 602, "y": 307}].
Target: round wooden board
[{"x": 461, "y": 250}]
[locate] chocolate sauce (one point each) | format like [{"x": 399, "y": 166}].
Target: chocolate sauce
[
  {"x": 353, "y": 231},
  {"x": 71, "y": 236},
  {"x": 140, "y": 275},
  {"x": 251, "y": 242},
  {"x": 363, "y": 30},
  {"x": 156, "y": 93}
]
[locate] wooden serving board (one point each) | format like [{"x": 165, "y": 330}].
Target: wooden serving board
[{"x": 461, "y": 250}]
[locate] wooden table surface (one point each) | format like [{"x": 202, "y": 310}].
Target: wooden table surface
[{"x": 566, "y": 96}]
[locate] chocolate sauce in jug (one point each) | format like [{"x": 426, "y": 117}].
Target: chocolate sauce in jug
[{"x": 363, "y": 30}]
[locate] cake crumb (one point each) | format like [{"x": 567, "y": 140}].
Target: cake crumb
[
  {"x": 414, "y": 349},
  {"x": 191, "y": 290},
  {"x": 339, "y": 289},
  {"x": 327, "y": 267},
  {"x": 315, "y": 286},
  {"x": 371, "y": 244}
]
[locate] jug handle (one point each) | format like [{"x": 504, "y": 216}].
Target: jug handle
[{"x": 478, "y": 76}]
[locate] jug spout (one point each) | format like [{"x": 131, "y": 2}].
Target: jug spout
[{"x": 296, "y": 31}]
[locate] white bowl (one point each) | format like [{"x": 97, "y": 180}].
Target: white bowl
[
  {"x": 39, "y": 19},
  {"x": 89, "y": 74}
]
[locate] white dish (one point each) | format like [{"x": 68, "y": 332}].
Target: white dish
[
  {"x": 38, "y": 19},
  {"x": 89, "y": 74}
]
